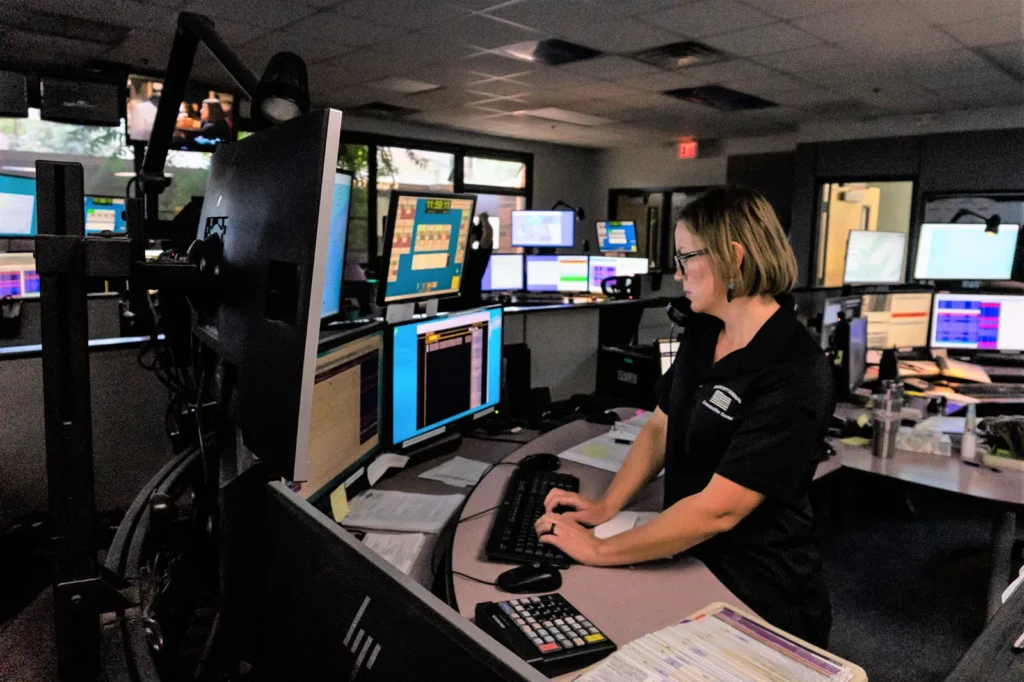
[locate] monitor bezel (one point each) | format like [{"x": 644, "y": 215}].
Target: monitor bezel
[
  {"x": 526, "y": 273},
  {"x": 455, "y": 426},
  {"x": 512, "y": 231},
  {"x": 636, "y": 240},
  {"x": 388, "y": 238},
  {"x": 903, "y": 259}
]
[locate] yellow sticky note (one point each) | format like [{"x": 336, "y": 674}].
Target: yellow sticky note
[
  {"x": 594, "y": 638},
  {"x": 855, "y": 440},
  {"x": 339, "y": 504},
  {"x": 862, "y": 420}
]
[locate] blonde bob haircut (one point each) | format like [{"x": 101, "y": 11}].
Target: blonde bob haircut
[{"x": 726, "y": 215}]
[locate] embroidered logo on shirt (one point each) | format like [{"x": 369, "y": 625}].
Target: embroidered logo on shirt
[{"x": 721, "y": 400}]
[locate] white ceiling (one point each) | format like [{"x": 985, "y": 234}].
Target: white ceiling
[{"x": 818, "y": 59}]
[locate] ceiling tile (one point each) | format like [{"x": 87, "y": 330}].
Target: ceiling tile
[
  {"x": 605, "y": 90},
  {"x": 269, "y": 13},
  {"x": 767, "y": 86},
  {"x": 708, "y": 17},
  {"x": 142, "y": 48},
  {"x": 659, "y": 82},
  {"x": 553, "y": 98},
  {"x": 886, "y": 30},
  {"x": 499, "y": 87},
  {"x": 835, "y": 75},
  {"x": 807, "y": 98},
  {"x": 612, "y": 67},
  {"x": 503, "y": 104},
  {"x": 762, "y": 40},
  {"x": 480, "y": 30},
  {"x": 845, "y": 109},
  {"x": 236, "y": 34},
  {"x": 414, "y": 14},
  {"x": 993, "y": 31},
  {"x": 794, "y": 9},
  {"x": 495, "y": 64},
  {"x": 48, "y": 49},
  {"x": 956, "y": 12},
  {"x": 119, "y": 12},
  {"x": 805, "y": 59},
  {"x": 632, "y": 7},
  {"x": 1010, "y": 56},
  {"x": 554, "y": 77},
  {"x": 624, "y": 34},
  {"x": 944, "y": 70},
  {"x": 721, "y": 72}
]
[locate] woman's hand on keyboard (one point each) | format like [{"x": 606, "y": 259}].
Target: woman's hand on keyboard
[{"x": 583, "y": 509}]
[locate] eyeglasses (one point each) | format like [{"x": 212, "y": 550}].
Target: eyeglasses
[{"x": 681, "y": 258}]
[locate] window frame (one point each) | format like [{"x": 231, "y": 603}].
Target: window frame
[
  {"x": 373, "y": 141},
  {"x": 916, "y": 215}
]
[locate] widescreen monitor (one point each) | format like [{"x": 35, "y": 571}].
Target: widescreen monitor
[
  {"x": 331, "y": 304},
  {"x": 346, "y": 424},
  {"x": 269, "y": 197},
  {"x": 442, "y": 371},
  {"x": 557, "y": 274},
  {"x": 603, "y": 267},
  {"x": 425, "y": 241},
  {"x": 874, "y": 257},
  {"x": 17, "y": 206},
  {"x": 897, "y": 320},
  {"x": 543, "y": 229},
  {"x": 104, "y": 214},
  {"x": 504, "y": 273},
  {"x": 206, "y": 117},
  {"x": 964, "y": 251},
  {"x": 616, "y": 236},
  {"x": 986, "y": 322}
]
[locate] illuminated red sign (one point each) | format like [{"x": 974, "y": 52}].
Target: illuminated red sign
[{"x": 688, "y": 149}]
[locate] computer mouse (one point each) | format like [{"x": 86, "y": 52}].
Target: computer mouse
[
  {"x": 608, "y": 417},
  {"x": 541, "y": 461},
  {"x": 529, "y": 579}
]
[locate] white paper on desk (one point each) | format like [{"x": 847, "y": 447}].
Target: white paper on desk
[
  {"x": 458, "y": 471},
  {"x": 398, "y": 511},
  {"x": 943, "y": 424},
  {"x": 398, "y": 549},
  {"x": 621, "y": 522},
  {"x": 601, "y": 452},
  {"x": 379, "y": 466}
]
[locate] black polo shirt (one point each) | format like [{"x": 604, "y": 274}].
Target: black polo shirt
[{"x": 757, "y": 417}]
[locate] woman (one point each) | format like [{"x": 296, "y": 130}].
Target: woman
[
  {"x": 738, "y": 427},
  {"x": 214, "y": 125}
]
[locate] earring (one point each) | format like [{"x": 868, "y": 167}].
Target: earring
[{"x": 729, "y": 292}]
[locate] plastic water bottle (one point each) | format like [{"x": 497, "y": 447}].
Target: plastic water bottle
[{"x": 969, "y": 442}]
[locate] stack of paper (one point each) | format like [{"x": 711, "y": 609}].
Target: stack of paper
[
  {"x": 398, "y": 549},
  {"x": 409, "y": 512},
  {"x": 724, "y": 645},
  {"x": 458, "y": 471},
  {"x": 608, "y": 450}
]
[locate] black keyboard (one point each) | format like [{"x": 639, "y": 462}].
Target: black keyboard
[
  {"x": 991, "y": 390},
  {"x": 513, "y": 537},
  {"x": 547, "y": 632}
]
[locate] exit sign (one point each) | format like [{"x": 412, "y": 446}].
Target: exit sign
[{"x": 688, "y": 149}]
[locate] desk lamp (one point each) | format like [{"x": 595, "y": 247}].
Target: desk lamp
[{"x": 991, "y": 222}]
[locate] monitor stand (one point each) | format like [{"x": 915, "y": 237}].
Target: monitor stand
[{"x": 403, "y": 312}]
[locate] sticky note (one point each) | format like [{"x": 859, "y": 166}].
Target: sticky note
[
  {"x": 339, "y": 504},
  {"x": 594, "y": 638},
  {"x": 855, "y": 440},
  {"x": 862, "y": 420}
]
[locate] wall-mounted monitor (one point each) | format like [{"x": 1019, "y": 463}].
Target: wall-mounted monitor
[
  {"x": 874, "y": 257},
  {"x": 616, "y": 236},
  {"x": 543, "y": 229},
  {"x": 965, "y": 251},
  {"x": 206, "y": 116},
  {"x": 104, "y": 214}
]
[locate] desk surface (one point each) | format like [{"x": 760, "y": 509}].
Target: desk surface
[{"x": 625, "y": 602}]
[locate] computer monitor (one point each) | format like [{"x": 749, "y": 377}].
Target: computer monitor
[
  {"x": 443, "y": 371},
  {"x": 898, "y": 320},
  {"x": 567, "y": 274},
  {"x": 269, "y": 199},
  {"x": 874, "y": 257},
  {"x": 964, "y": 251},
  {"x": 331, "y": 304},
  {"x": 17, "y": 207},
  {"x": 978, "y": 322},
  {"x": 667, "y": 349},
  {"x": 616, "y": 236},
  {"x": 425, "y": 241},
  {"x": 335, "y": 610},
  {"x": 504, "y": 273},
  {"x": 856, "y": 352},
  {"x": 543, "y": 229},
  {"x": 603, "y": 267},
  {"x": 345, "y": 427},
  {"x": 104, "y": 214},
  {"x": 849, "y": 306}
]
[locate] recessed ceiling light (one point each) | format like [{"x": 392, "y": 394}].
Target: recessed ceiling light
[
  {"x": 407, "y": 86},
  {"x": 721, "y": 98},
  {"x": 551, "y": 51},
  {"x": 566, "y": 116},
  {"x": 679, "y": 55}
]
